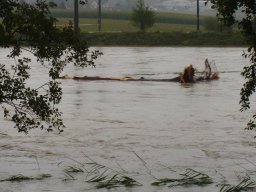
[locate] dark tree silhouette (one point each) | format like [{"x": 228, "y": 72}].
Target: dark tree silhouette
[
  {"x": 227, "y": 15},
  {"x": 25, "y": 27}
]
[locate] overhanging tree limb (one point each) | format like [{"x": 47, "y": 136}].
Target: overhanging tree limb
[
  {"x": 227, "y": 14},
  {"x": 32, "y": 25}
]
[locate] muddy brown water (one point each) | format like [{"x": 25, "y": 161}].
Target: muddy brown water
[{"x": 149, "y": 129}]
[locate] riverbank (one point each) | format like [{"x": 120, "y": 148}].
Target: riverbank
[{"x": 222, "y": 39}]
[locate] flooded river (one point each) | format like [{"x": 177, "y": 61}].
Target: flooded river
[{"x": 143, "y": 129}]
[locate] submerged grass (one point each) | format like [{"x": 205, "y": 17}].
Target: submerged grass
[
  {"x": 73, "y": 169},
  {"x": 106, "y": 177},
  {"x": 70, "y": 170},
  {"x": 20, "y": 177},
  {"x": 103, "y": 176},
  {"x": 244, "y": 185},
  {"x": 190, "y": 177}
]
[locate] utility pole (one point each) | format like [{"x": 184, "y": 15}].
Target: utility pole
[
  {"x": 197, "y": 15},
  {"x": 99, "y": 15},
  {"x": 76, "y": 17}
]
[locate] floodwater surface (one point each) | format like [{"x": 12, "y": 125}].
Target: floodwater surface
[{"x": 146, "y": 130}]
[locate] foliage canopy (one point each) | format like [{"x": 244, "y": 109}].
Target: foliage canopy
[
  {"x": 31, "y": 28},
  {"x": 142, "y": 16},
  {"x": 227, "y": 14}
]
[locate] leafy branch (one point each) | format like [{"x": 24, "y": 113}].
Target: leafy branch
[{"x": 31, "y": 28}]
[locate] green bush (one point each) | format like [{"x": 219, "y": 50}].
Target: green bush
[{"x": 165, "y": 39}]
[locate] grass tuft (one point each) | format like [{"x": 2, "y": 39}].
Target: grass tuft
[
  {"x": 190, "y": 177},
  {"x": 106, "y": 177},
  {"x": 20, "y": 177},
  {"x": 103, "y": 176},
  {"x": 244, "y": 185},
  {"x": 73, "y": 169}
]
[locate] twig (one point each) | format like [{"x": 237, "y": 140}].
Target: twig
[
  {"x": 37, "y": 162},
  {"x": 144, "y": 164}
]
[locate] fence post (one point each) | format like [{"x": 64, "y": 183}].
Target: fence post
[
  {"x": 76, "y": 17},
  {"x": 197, "y": 15},
  {"x": 99, "y": 15}
]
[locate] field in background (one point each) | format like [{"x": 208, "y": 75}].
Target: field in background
[
  {"x": 119, "y": 21},
  {"x": 111, "y": 25},
  {"x": 170, "y": 29}
]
